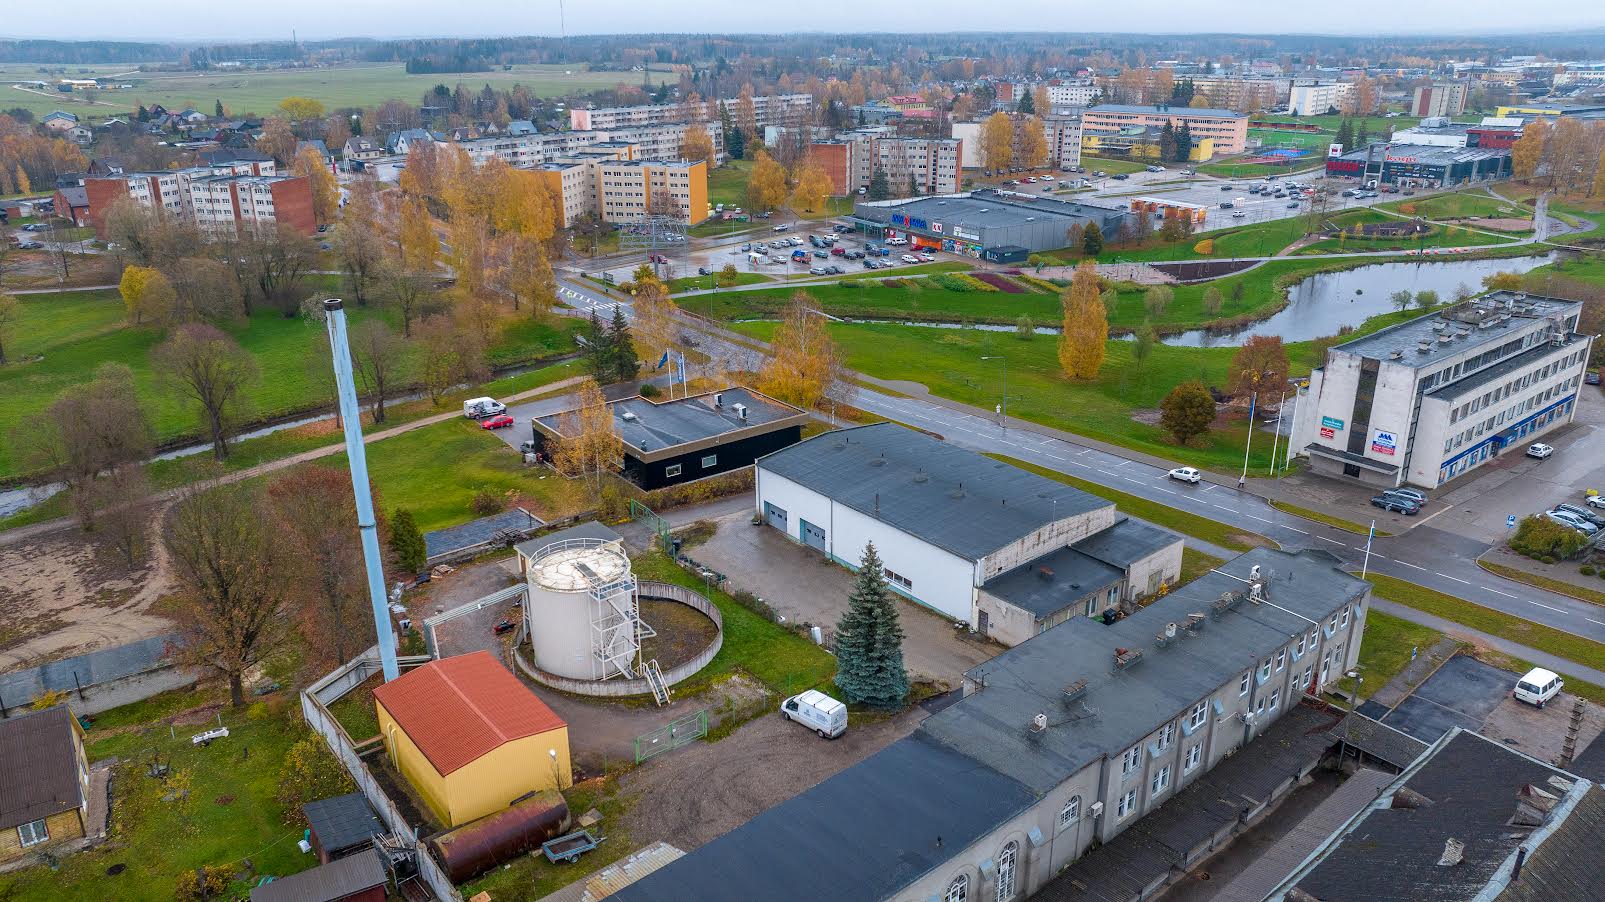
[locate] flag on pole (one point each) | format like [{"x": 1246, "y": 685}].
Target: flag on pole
[{"x": 662, "y": 360}]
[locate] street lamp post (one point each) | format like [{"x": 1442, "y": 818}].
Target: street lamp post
[
  {"x": 1248, "y": 441},
  {"x": 1003, "y": 408}
]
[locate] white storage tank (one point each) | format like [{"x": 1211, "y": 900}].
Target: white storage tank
[{"x": 583, "y": 618}]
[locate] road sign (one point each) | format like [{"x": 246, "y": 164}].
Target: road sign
[{"x": 1510, "y": 522}]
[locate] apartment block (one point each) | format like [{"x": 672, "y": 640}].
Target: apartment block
[
  {"x": 1427, "y": 400},
  {"x": 575, "y": 180},
  {"x": 227, "y": 195},
  {"x": 777, "y": 109},
  {"x": 1076, "y": 94},
  {"x": 1227, "y": 129},
  {"x": 1318, "y": 98},
  {"x": 1246, "y": 95},
  {"x": 630, "y": 190},
  {"x": 931, "y": 165},
  {"x": 1443, "y": 99}
]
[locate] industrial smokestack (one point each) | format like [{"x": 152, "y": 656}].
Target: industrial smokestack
[{"x": 356, "y": 455}]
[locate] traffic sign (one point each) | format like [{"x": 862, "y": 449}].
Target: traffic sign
[{"x": 1510, "y": 522}]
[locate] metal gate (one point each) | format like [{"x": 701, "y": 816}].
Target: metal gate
[
  {"x": 812, "y": 536},
  {"x": 775, "y": 516},
  {"x": 639, "y": 511},
  {"x": 671, "y": 736}
]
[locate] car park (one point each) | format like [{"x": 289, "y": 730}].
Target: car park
[
  {"x": 926, "y": 258},
  {"x": 869, "y": 264},
  {"x": 1575, "y": 522},
  {"x": 1047, "y": 178},
  {"x": 1582, "y": 512},
  {"x": 1540, "y": 450},
  {"x": 838, "y": 252},
  {"x": 1396, "y": 504},
  {"x": 1595, "y": 501},
  {"x": 500, "y": 421},
  {"x": 1537, "y": 686},
  {"x": 1185, "y": 474}
]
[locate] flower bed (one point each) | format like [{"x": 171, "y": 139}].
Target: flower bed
[
  {"x": 998, "y": 282},
  {"x": 1036, "y": 284}
]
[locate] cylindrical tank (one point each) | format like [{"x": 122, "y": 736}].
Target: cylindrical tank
[
  {"x": 568, "y": 622},
  {"x": 486, "y": 842}
]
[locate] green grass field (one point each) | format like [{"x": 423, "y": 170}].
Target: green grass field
[
  {"x": 1111, "y": 165},
  {"x": 63, "y": 336},
  {"x": 1441, "y": 235},
  {"x": 1385, "y": 649},
  {"x": 1275, "y": 137},
  {"x": 1455, "y": 206},
  {"x": 728, "y": 183},
  {"x": 1257, "y": 240},
  {"x": 703, "y": 283},
  {"x": 260, "y": 92}
]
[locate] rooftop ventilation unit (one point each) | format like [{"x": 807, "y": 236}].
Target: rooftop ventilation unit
[
  {"x": 922, "y": 476},
  {"x": 1166, "y": 637},
  {"x": 1075, "y": 692},
  {"x": 740, "y": 409},
  {"x": 1423, "y": 346},
  {"x": 1039, "y": 725},
  {"x": 1195, "y": 623},
  {"x": 1127, "y": 658},
  {"x": 1396, "y": 355},
  {"x": 718, "y": 399}
]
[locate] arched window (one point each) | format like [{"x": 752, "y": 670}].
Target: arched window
[
  {"x": 1070, "y": 813},
  {"x": 958, "y": 890},
  {"x": 1006, "y": 871}
]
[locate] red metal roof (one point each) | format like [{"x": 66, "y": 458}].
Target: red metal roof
[{"x": 458, "y": 709}]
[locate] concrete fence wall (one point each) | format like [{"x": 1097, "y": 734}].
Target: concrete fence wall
[
  {"x": 314, "y": 702},
  {"x": 618, "y": 688}
]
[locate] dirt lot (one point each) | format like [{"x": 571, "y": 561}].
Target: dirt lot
[
  {"x": 763, "y": 764},
  {"x": 64, "y": 595}
]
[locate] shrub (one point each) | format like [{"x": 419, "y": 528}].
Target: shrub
[
  {"x": 201, "y": 883},
  {"x": 1586, "y": 570},
  {"x": 309, "y": 772},
  {"x": 487, "y": 502},
  {"x": 648, "y": 390},
  {"x": 1543, "y": 539},
  {"x": 1205, "y": 247},
  {"x": 1036, "y": 284},
  {"x": 1546, "y": 559}
]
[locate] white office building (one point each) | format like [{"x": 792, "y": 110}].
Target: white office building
[
  {"x": 1319, "y": 98},
  {"x": 1427, "y": 400}
]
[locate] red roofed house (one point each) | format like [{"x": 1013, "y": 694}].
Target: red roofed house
[{"x": 470, "y": 737}]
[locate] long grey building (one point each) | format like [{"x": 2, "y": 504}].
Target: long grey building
[
  {"x": 974, "y": 223},
  {"x": 1058, "y": 745},
  {"x": 1429, "y": 399}
]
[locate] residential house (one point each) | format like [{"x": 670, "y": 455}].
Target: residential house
[
  {"x": 72, "y": 203},
  {"x": 360, "y": 149},
  {"x": 59, "y": 121},
  {"x": 44, "y": 781}
]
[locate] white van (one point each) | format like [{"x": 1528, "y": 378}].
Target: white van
[
  {"x": 479, "y": 408},
  {"x": 817, "y": 711},
  {"x": 897, "y": 242},
  {"x": 1538, "y": 686}
]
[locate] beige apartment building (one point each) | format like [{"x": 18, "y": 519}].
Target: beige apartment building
[{"x": 1228, "y": 129}]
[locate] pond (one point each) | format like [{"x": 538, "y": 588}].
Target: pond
[{"x": 1322, "y": 304}]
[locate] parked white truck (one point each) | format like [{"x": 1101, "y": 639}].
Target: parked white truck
[
  {"x": 816, "y": 711},
  {"x": 480, "y": 408}
]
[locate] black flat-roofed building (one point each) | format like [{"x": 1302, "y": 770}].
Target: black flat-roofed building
[{"x": 682, "y": 439}]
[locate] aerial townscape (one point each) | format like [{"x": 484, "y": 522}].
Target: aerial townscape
[{"x": 540, "y": 453}]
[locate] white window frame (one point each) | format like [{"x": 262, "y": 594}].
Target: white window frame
[
  {"x": 710, "y": 460},
  {"x": 1070, "y": 813},
  {"x": 671, "y": 470},
  {"x": 1130, "y": 761},
  {"x": 1199, "y": 714},
  {"x": 1007, "y": 864},
  {"x": 1167, "y": 734},
  {"x": 1242, "y": 685},
  {"x": 1127, "y": 806},
  {"x": 33, "y": 833},
  {"x": 1276, "y": 695},
  {"x": 1160, "y": 782},
  {"x": 958, "y": 890},
  {"x": 1281, "y": 659},
  {"x": 1195, "y": 754}
]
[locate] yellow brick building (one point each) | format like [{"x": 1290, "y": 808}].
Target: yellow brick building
[{"x": 470, "y": 738}]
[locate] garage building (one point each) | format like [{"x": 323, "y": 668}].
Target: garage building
[
  {"x": 975, "y": 539},
  {"x": 679, "y": 440}
]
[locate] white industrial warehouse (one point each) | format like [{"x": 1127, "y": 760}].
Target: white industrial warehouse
[{"x": 975, "y": 539}]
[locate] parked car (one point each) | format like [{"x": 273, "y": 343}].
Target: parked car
[
  {"x": 1185, "y": 474},
  {"x": 704, "y": 271},
  {"x": 1537, "y": 686},
  {"x": 1595, "y": 501},
  {"x": 1121, "y": 176},
  {"x": 835, "y": 270},
  {"x": 1575, "y": 522},
  {"x": 909, "y": 258},
  {"x": 816, "y": 271},
  {"x": 1226, "y": 187},
  {"x": 817, "y": 711},
  {"x": 1415, "y": 495},
  {"x": 869, "y": 264},
  {"x": 479, "y": 408},
  {"x": 1396, "y": 504},
  {"x": 1583, "y": 512},
  {"x": 1239, "y": 214},
  {"x": 1293, "y": 206},
  {"x": 1226, "y": 205},
  {"x": 780, "y": 228},
  {"x": 821, "y": 255},
  {"x": 30, "y": 245},
  {"x": 501, "y": 421},
  {"x": 1591, "y": 377},
  {"x": 1539, "y": 450},
  {"x": 504, "y": 626},
  {"x": 926, "y": 258},
  {"x": 838, "y": 252}
]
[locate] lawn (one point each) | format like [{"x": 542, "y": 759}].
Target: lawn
[
  {"x": 1459, "y": 205},
  {"x": 703, "y": 283},
  {"x": 1257, "y": 240},
  {"x": 1441, "y": 235},
  {"x": 436, "y": 472},
  {"x": 1385, "y": 649},
  {"x": 249, "y": 91},
  {"x": 1188, "y": 524},
  {"x": 62, "y": 337},
  {"x": 231, "y": 814},
  {"x": 1111, "y": 165},
  {"x": 727, "y": 184},
  {"x": 1228, "y": 168}
]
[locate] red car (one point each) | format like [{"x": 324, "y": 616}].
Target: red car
[{"x": 497, "y": 422}]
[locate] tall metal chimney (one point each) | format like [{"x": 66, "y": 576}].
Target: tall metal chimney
[{"x": 356, "y": 455}]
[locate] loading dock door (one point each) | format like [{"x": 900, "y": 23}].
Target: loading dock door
[
  {"x": 775, "y": 516},
  {"x": 812, "y": 536}
]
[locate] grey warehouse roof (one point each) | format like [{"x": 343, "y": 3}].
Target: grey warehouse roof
[
  {"x": 653, "y": 426},
  {"x": 1430, "y": 154},
  {"x": 954, "y": 499},
  {"x": 1126, "y": 542},
  {"x": 984, "y": 209},
  {"x": 1049, "y": 583},
  {"x": 1407, "y": 335}
]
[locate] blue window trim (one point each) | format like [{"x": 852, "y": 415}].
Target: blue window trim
[{"x": 1449, "y": 462}]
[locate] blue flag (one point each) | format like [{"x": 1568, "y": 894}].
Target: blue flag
[{"x": 664, "y": 359}]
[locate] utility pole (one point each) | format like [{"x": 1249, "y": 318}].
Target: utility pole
[
  {"x": 356, "y": 456},
  {"x": 1003, "y": 408}
]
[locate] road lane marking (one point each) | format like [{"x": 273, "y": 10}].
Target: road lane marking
[
  {"x": 1455, "y": 578},
  {"x": 1408, "y": 564},
  {"x": 1496, "y": 591},
  {"x": 1546, "y": 607},
  {"x": 1592, "y": 620},
  {"x": 1333, "y": 541},
  {"x": 1294, "y": 529}
]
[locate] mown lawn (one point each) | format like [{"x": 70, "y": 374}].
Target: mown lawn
[
  {"x": 728, "y": 184},
  {"x": 231, "y": 813},
  {"x": 1256, "y": 240},
  {"x": 1110, "y": 165},
  {"x": 1455, "y": 206},
  {"x": 703, "y": 283},
  {"x": 62, "y": 337},
  {"x": 1385, "y": 649},
  {"x": 1440, "y": 235}
]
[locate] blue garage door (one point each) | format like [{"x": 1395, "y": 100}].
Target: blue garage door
[
  {"x": 812, "y": 536},
  {"x": 774, "y": 516}
]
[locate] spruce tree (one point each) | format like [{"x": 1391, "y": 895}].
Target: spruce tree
[
  {"x": 880, "y": 187},
  {"x": 869, "y": 640},
  {"x": 626, "y": 365},
  {"x": 407, "y": 542},
  {"x": 598, "y": 350},
  {"x": 1184, "y": 143}
]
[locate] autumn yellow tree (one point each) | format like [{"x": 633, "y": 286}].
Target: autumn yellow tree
[
  {"x": 420, "y": 177},
  {"x": 1086, "y": 325},
  {"x": 804, "y": 365},
  {"x": 1528, "y": 150},
  {"x": 766, "y": 184},
  {"x": 1572, "y": 153},
  {"x": 590, "y": 447},
  {"x": 1033, "y": 143},
  {"x": 1598, "y": 189},
  {"x": 653, "y": 326},
  {"x": 1039, "y": 100},
  {"x": 696, "y": 145},
  {"x": 300, "y": 109},
  {"x": 813, "y": 186},
  {"x": 24, "y": 186},
  {"x": 420, "y": 249},
  {"x": 147, "y": 294},
  {"x": 997, "y": 141},
  {"x": 309, "y": 164},
  {"x": 522, "y": 271},
  {"x": 277, "y": 140}
]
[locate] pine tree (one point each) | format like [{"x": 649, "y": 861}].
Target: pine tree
[
  {"x": 880, "y": 187},
  {"x": 1167, "y": 143},
  {"x": 1092, "y": 240},
  {"x": 1345, "y": 135},
  {"x": 869, "y": 640},
  {"x": 1184, "y": 143},
  {"x": 626, "y": 364},
  {"x": 598, "y": 349},
  {"x": 218, "y": 109},
  {"x": 407, "y": 542}
]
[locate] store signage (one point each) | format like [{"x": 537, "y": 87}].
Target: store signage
[
  {"x": 936, "y": 227},
  {"x": 899, "y": 219},
  {"x": 1327, "y": 432},
  {"x": 1384, "y": 443},
  {"x": 1331, "y": 422},
  {"x": 916, "y": 223},
  {"x": 1393, "y": 159},
  {"x": 1334, "y": 150},
  {"x": 972, "y": 236}
]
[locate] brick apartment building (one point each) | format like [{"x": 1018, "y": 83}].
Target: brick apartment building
[
  {"x": 226, "y": 196},
  {"x": 933, "y": 165}
]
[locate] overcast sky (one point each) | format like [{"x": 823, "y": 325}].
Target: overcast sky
[{"x": 189, "y": 20}]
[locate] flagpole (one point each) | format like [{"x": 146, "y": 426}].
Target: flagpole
[
  {"x": 1277, "y": 435},
  {"x": 1366, "y": 566}
]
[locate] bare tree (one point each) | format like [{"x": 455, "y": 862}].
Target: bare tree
[
  {"x": 231, "y": 575},
  {"x": 451, "y": 355},
  {"x": 359, "y": 240},
  {"x": 407, "y": 291},
  {"x": 275, "y": 261},
  {"x": 315, "y": 520},
  {"x": 376, "y": 351},
  {"x": 208, "y": 367},
  {"x": 122, "y": 504},
  {"x": 204, "y": 289},
  {"x": 87, "y": 437}
]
